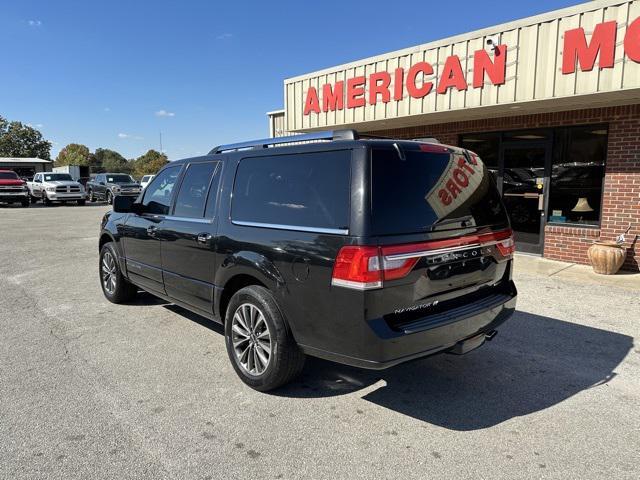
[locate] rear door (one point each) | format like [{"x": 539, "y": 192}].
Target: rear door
[
  {"x": 438, "y": 218},
  {"x": 189, "y": 237},
  {"x": 140, "y": 233}
]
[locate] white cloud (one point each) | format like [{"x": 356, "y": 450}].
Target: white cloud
[
  {"x": 34, "y": 23},
  {"x": 36, "y": 125},
  {"x": 224, "y": 36},
  {"x": 164, "y": 113},
  {"x": 128, "y": 136}
]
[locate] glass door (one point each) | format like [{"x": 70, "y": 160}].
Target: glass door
[{"x": 523, "y": 179}]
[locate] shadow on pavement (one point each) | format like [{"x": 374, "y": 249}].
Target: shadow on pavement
[{"x": 534, "y": 363}]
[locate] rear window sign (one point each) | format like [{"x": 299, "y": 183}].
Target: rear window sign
[{"x": 456, "y": 185}]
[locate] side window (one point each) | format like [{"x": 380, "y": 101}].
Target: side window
[
  {"x": 157, "y": 196},
  {"x": 302, "y": 190},
  {"x": 192, "y": 197},
  {"x": 100, "y": 178}
]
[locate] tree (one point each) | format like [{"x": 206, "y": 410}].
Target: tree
[
  {"x": 110, "y": 161},
  {"x": 149, "y": 163},
  {"x": 73, "y": 154},
  {"x": 18, "y": 140}
]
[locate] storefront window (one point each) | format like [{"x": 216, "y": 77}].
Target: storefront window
[
  {"x": 487, "y": 146},
  {"x": 577, "y": 174}
]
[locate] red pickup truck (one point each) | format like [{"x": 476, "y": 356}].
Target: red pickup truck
[{"x": 13, "y": 189}]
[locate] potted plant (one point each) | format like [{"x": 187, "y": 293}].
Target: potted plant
[{"x": 607, "y": 257}]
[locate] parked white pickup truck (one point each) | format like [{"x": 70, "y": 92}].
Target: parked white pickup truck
[{"x": 56, "y": 187}]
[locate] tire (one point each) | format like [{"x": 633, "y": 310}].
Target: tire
[
  {"x": 115, "y": 287},
  {"x": 109, "y": 198},
  {"x": 25, "y": 203},
  {"x": 285, "y": 360},
  {"x": 45, "y": 200},
  {"x": 91, "y": 197},
  {"x": 81, "y": 203}
]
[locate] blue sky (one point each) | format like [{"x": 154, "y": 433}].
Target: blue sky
[{"x": 114, "y": 74}]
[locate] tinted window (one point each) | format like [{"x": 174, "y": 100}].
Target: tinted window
[
  {"x": 428, "y": 191},
  {"x": 577, "y": 174},
  {"x": 192, "y": 196},
  {"x": 8, "y": 176},
  {"x": 157, "y": 196},
  {"x": 306, "y": 190}
]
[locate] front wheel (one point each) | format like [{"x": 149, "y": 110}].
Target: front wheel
[
  {"x": 91, "y": 197},
  {"x": 109, "y": 198},
  {"x": 81, "y": 203},
  {"x": 259, "y": 343},
  {"x": 115, "y": 287},
  {"x": 45, "y": 200},
  {"x": 25, "y": 203}
]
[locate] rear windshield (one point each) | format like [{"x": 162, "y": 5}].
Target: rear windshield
[
  {"x": 310, "y": 190},
  {"x": 8, "y": 176},
  {"x": 431, "y": 191}
]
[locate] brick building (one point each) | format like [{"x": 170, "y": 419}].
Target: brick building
[{"x": 551, "y": 104}]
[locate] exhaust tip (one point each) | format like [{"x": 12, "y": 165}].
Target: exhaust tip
[{"x": 490, "y": 335}]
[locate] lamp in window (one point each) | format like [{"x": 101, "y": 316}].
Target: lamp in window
[{"x": 582, "y": 207}]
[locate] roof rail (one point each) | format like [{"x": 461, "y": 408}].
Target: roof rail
[{"x": 305, "y": 137}]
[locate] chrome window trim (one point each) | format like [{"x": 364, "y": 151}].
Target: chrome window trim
[
  {"x": 187, "y": 219},
  {"x": 294, "y": 228}
]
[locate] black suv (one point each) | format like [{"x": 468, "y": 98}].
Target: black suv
[{"x": 368, "y": 252}]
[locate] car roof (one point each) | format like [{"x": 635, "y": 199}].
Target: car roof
[{"x": 316, "y": 146}]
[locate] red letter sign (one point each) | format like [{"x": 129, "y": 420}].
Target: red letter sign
[
  {"x": 496, "y": 70},
  {"x": 376, "y": 88},
  {"x": 632, "y": 41},
  {"x": 355, "y": 92},
  {"x": 311, "y": 104},
  {"x": 452, "y": 75},
  {"x": 398, "y": 84},
  {"x": 424, "y": 68},
  {"x": 333, "y": 99},
  {"x": 603, "y": 41}
]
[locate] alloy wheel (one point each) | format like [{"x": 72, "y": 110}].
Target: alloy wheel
[
  {"x": 251, "y": 339},
  {"x": 109, "y": 272}
]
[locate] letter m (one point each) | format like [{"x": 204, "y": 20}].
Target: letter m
[{"x": 603, "y": 41}]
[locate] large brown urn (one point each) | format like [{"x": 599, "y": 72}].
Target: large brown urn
[{"x": 606, "y": 257}]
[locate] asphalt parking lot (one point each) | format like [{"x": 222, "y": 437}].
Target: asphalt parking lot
[{"x": 94, "y": 390}]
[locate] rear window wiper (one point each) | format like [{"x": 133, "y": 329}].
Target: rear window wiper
[{"x": 463, "y": 221}]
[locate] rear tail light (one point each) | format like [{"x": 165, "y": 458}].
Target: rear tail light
[
  {"x": 366, "y": 267},
  {"x": 507, "y": 247},
  {"x": 357, "y": 267}
]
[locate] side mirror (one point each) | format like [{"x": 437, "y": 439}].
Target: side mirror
[
  {"x": 100, "y": 183},
  {"x": 125, "y": 204}
]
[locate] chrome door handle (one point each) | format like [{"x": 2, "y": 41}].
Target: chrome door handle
[{"x": 204, "y": 238}]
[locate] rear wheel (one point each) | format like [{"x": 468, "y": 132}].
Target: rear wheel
[
  {"x": 259, "y": 343},
  {"x": 115, "y": 287}
]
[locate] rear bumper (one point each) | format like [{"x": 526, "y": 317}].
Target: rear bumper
[{"x": 387, "y": 347}]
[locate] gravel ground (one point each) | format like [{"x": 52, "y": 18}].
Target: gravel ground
[{"x": 94, "y": 390}]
